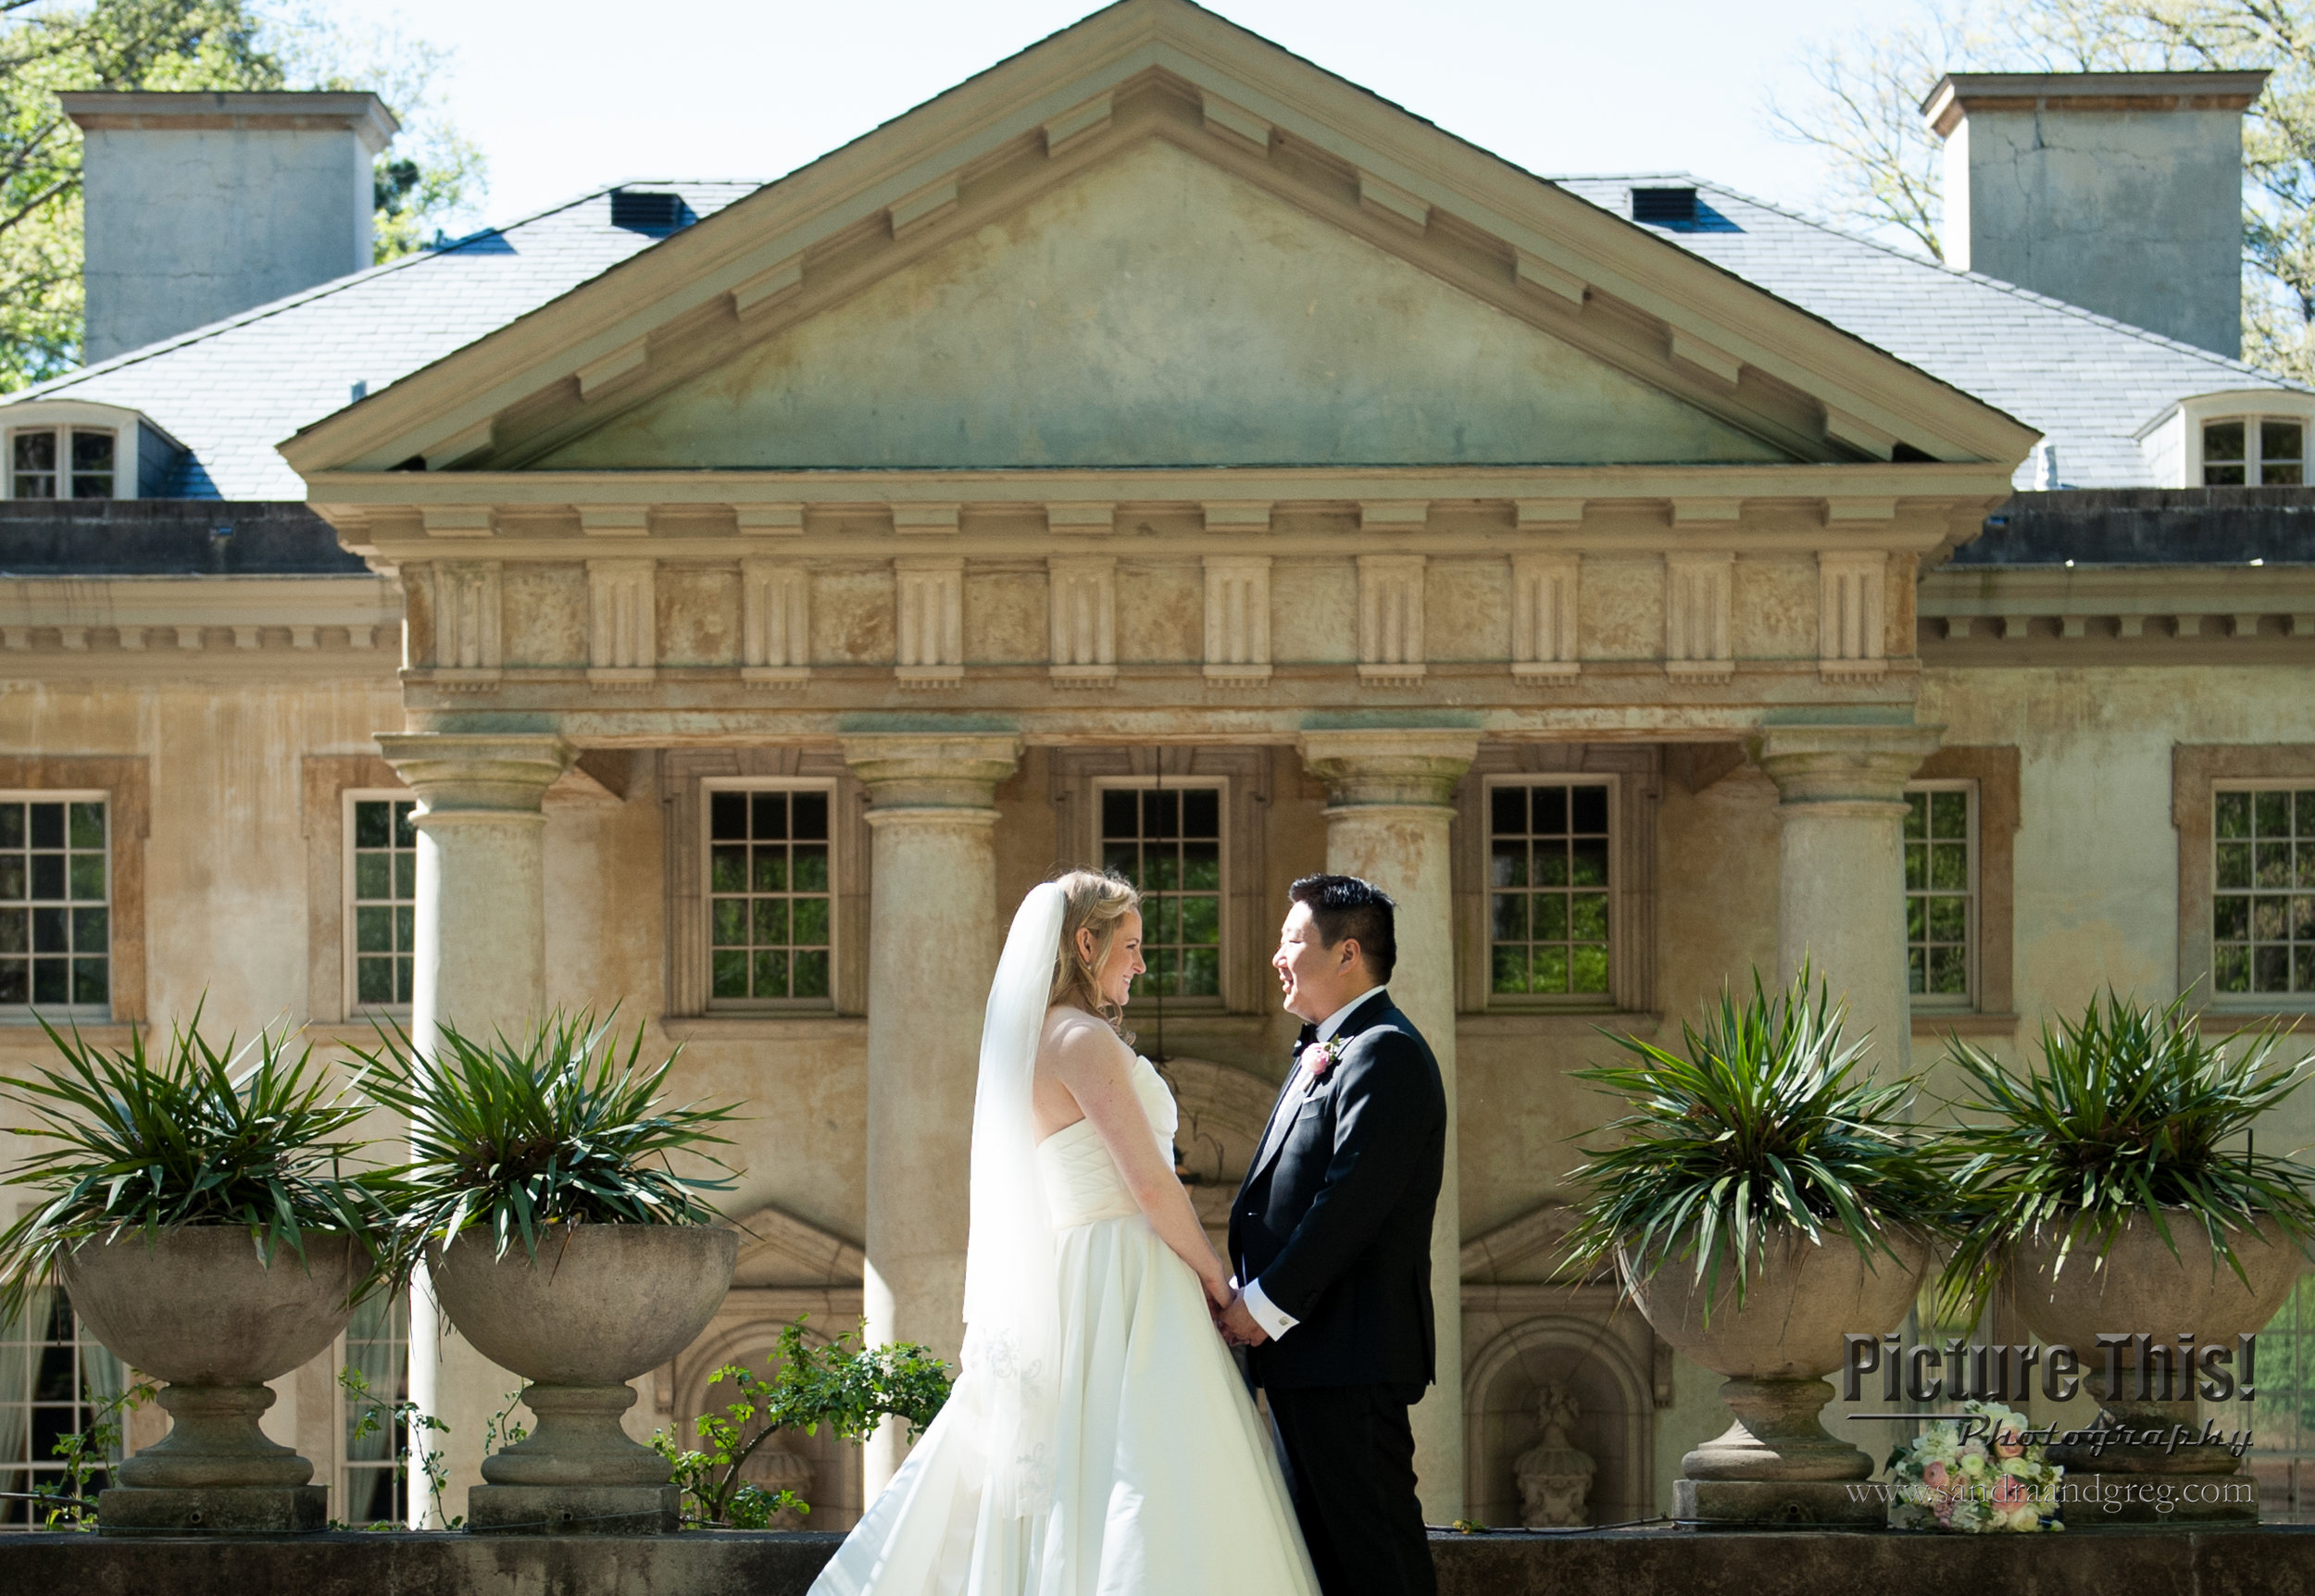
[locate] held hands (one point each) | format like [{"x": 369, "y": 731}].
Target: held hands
[{"x": 1226, "y": 1303}]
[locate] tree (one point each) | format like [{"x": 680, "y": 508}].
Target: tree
[
  {"x": 428, "y": 176},
  {"x": 1886, "y": 166}
]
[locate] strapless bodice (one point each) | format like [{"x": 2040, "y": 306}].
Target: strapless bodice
[{"x": 1082, "y": 1183}]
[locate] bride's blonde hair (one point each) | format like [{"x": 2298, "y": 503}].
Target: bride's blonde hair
[{"x": 1097, "y": 901}]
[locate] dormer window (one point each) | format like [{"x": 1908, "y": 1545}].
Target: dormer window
[
  {"x": 2254, "y": 452},
  {"x": 61, "y": 463},
  {"x": 59, "y": 449}
]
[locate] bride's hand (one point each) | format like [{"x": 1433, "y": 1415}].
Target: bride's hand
[{"x": 1219, "y": 1292}]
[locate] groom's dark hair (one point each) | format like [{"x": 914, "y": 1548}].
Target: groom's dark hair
[{"x": 1346, "y": 906}]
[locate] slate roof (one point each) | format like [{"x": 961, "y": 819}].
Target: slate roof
[
  {"x": 2086, "y": 381},
  {"x": 231, "y": 391}
]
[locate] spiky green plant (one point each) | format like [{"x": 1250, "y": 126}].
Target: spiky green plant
[
  {"x": 1761, "y": 1129},
  {"x": 203, "y": 1135},
  {"x": 552, "y": 1127},
  {"x": 2131, "y": 1111}
]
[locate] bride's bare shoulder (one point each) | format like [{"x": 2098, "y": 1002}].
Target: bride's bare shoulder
[{"x": 1075, "y": 1040}]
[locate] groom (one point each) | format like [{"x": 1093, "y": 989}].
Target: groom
[{"x": 1330, "y": 1235}]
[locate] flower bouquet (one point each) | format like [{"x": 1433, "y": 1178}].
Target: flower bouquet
[{"x": 1979, "y": 1475}]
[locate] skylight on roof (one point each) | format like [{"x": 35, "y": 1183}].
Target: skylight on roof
[
  {"x": 1664, "y": 206},
  {"x": 649, "y": 210}
]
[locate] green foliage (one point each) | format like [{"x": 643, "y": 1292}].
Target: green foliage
[
  {"x": 66, "y": 1502},
  {"x": 201, "y": 1136},
  {"x": 850, "y": 1392},
  {"x": 374, "y": 1413},
  {"x": 2130, "y": 1112},
  {"x": 555, "y": 1126},
  {"x": 49, "y": 45},
  {"x": 1758, "y": 1132}
]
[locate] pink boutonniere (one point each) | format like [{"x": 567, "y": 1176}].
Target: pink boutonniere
[{"x": 1322, "y": 1056}]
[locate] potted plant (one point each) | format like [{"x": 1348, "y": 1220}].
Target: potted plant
[
  {"x": 198, "y": 1212},
  {"x": 542, "y": 1203},
  {"x": 1762, "y": 1201},
  {"x": 2117, "y": 1188}
]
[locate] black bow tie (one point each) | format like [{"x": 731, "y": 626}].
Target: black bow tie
[{"x": 1309, "y": 1034}]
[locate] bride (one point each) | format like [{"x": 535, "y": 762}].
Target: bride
[{"x": 1099, "y": 1441}]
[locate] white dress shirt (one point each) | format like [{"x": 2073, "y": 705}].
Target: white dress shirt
[{"x": 1274, "y": 1320}]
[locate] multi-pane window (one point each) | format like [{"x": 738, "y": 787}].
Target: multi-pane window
[
  {"x": 1940, "y": 890},
  {"x": 1547, "y": 869},
  {"x": 54, "y": 1381},
  {"x": 61, "y": 462},
  {"x": 2251, "y": 451},
  {"x": 372, "y": 1483},
  {"x": 770, "y": 897},
  {"x": 56, "y": 930},
  {"x": 2282, "y": 1423},
  {"x": 1167, "y": 841},
  {"x": 381, "y": 898},
  {"x": 2263, "y": 891}
]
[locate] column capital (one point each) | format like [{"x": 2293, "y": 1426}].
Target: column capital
[
  {"x": 932, "y": 770},
  {"x": 1400, "y": 765},
  {"x": 459, "y": 771},
  {"x": 1842, "y": 764}
]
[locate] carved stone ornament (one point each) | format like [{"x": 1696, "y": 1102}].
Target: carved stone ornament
[{"x": 1554, "y": 1475}]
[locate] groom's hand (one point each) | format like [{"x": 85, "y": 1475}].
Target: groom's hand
[{"x": 1238, "y": 1326}]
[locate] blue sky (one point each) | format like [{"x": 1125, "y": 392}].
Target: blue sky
[{"x": 573, "y": 94}]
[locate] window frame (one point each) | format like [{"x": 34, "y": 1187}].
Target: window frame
[
  {"x": 35, "y": 1464},
  {"x": 350, "y": 1003},
  {"x": 62, "y": 431},
  {"x": 343, "y": 1467},
  {"x": 703, "y": 927},
  {"x": 2254, "y": 459},
  {"x": 1615, "y": 889},
  {"x": 1994, "y": 832},
  {"x": 1204, "y": 1002},
  {"x": 2290, "y": 997},
  {"x": 1973, "y": 942},
  {"x": 30, "y": 1011},
  {"x": 2198, "y": 773}
]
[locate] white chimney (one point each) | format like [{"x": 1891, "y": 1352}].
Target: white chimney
[
  {"x": 2119, "y": 192},
  {"x": 199, "y": 205}
]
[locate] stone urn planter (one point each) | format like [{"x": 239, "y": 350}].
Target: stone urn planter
[
  {"x": 600, "y": 1305},
  {"x": 2140, "y": 1287},
  {"x": 1776, "y": 1465},
  {"x": 200, "y": 1308}
]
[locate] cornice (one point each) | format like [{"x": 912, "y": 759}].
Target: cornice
[
  {"x": 1015, "y": 108},
  {"x": 714, "y": 705},
  {"x": 2139, "y": 615},
  {"x": 171, "y": 627}
]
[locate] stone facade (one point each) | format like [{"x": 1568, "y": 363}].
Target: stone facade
[{"x": 891, "y": 486}]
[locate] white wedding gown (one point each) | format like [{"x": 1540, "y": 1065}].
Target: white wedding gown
[{"x": 1164, "y": 1480}]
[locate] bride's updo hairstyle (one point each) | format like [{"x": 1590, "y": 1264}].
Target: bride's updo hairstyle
[{"x": 1097, "y": 901}]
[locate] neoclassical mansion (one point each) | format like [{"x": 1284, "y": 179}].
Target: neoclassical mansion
[{"x": 724, "y": 602}]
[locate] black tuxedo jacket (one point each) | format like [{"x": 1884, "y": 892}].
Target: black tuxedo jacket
[{"x": 1336, "y": 1222}]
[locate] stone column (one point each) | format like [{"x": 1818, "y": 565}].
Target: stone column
[
  {"x": 481, "y": 964},
  {"x": 1841, "y": 866},
  {"x": 935, "y": 930},
  {"x": 1388, "y": 821}
]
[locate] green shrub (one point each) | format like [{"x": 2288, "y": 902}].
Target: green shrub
[
  {"x": 2131, "y": 1111},
  {"x": 1758, "y": 1128}
]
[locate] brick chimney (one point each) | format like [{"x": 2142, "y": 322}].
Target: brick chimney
[
  {"x": 2119, "y": 192},
  {"x": 202, "y": 204}
]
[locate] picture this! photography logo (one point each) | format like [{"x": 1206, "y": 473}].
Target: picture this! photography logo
[{"x": 2167, "y": 1369}]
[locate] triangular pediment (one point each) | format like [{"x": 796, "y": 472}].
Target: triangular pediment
[
  {"x": 1159, "y": 311},
  {"x": 1157, "y": 240}
]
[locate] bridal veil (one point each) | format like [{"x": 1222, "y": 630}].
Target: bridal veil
[{"x": 1012, "y": 1351}]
